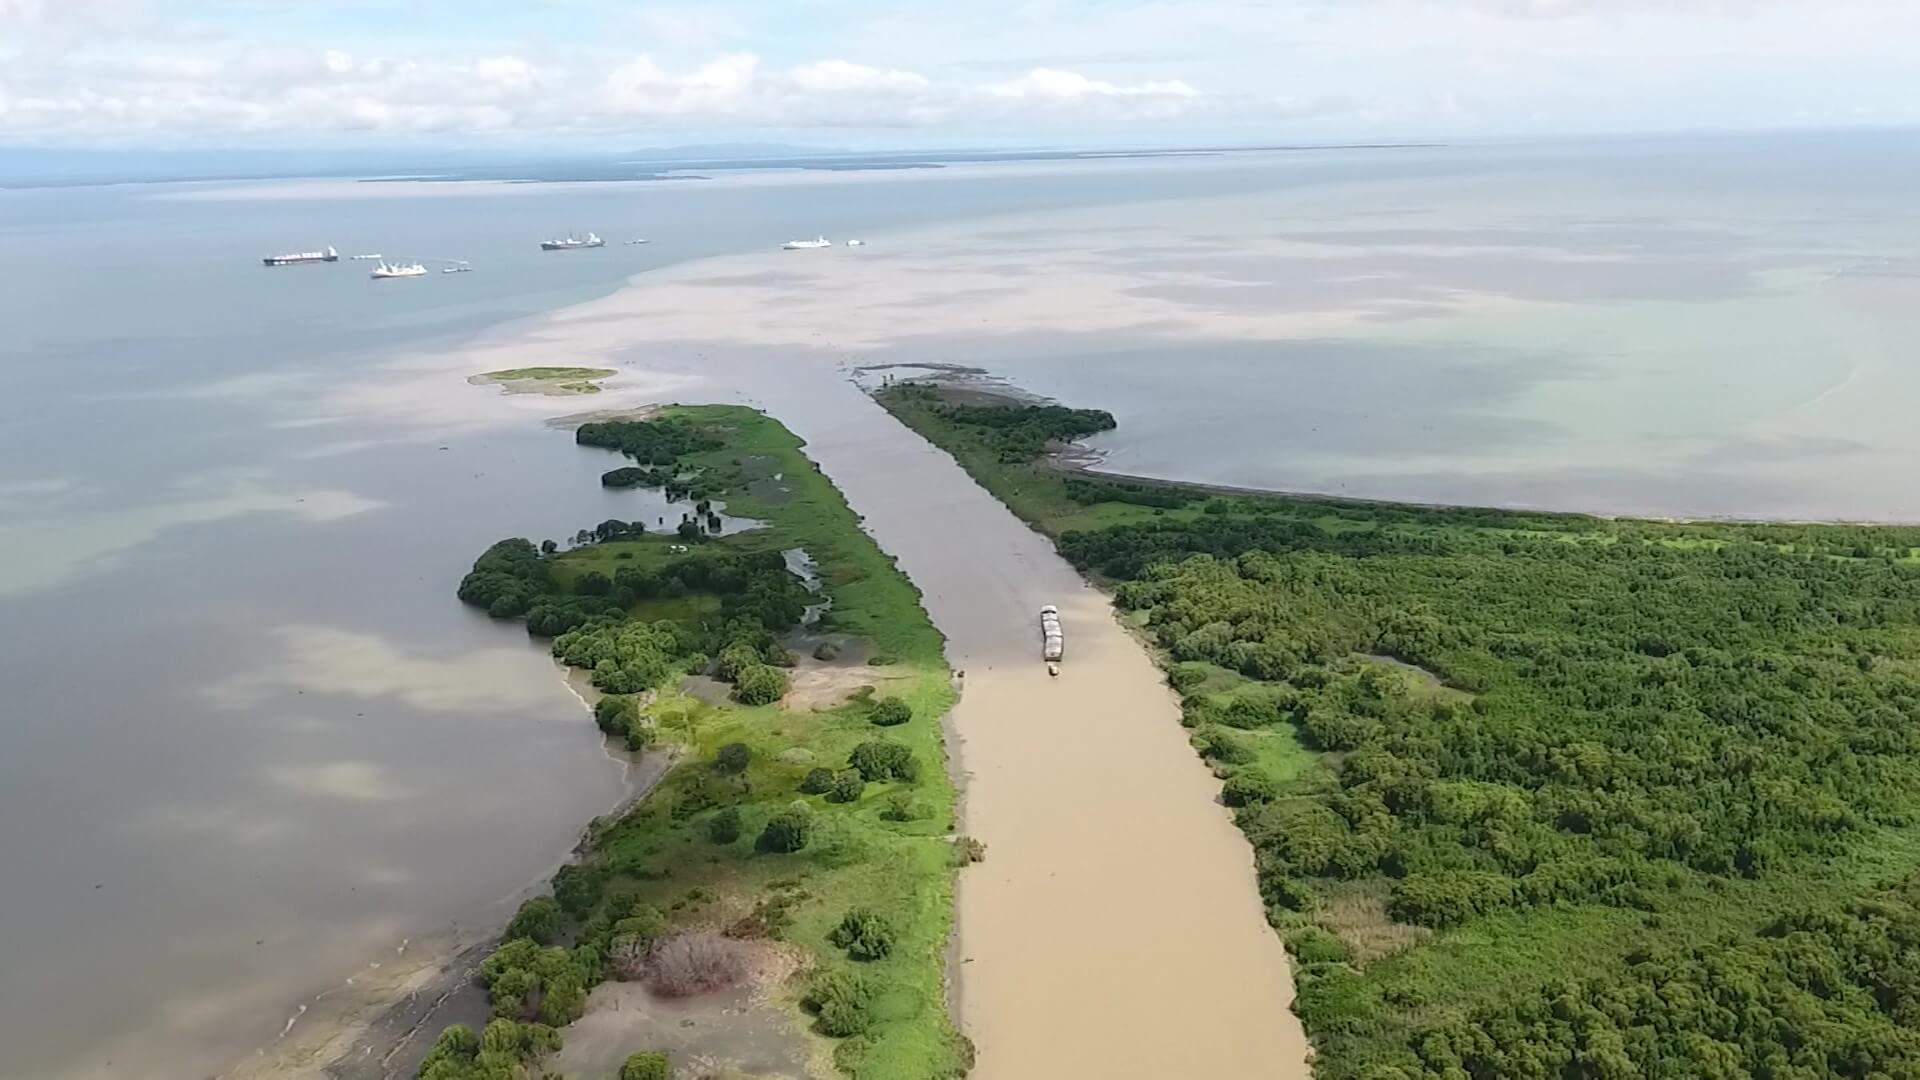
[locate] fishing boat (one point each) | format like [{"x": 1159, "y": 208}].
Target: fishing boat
[
  {"x": 806, "y": 245},
  {"x": 573, "y": 243},
  {"x": 299, "y": 257},
  {"x": 388, "y": 270}
]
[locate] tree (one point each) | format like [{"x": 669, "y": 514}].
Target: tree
[
  {"x": 847, "y": 786},
  {"x": 548, "y": 547},
  {"x": 878, "y": 759},
  {"x": 891, "y": 712},
  {"x": 688, "y": 530},
  {"x": 733, "y": 758},
  {"x": 760, "y": 684},
  {"x": 593, "y": 583},
  {"x": 787, "y": 831},
  {"x": 538, "y": 919},
  {"x": 816, "y": 782},
  {"x": 646, "y": 1065}
]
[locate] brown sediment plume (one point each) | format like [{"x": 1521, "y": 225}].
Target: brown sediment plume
[{"x": 1115, "y": 929}]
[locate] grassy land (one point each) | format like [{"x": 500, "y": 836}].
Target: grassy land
[
  {"x": 572, "y": 380},
  {"x": 1509, "y": 613},
  {"x": 887, "y": 852}
]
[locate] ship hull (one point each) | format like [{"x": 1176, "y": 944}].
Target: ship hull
[{"x": 280, "y": 260}]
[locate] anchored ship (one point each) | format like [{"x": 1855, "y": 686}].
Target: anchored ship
[
  {"x": 297, "y": 258},
  {"x": 803, "y": 245},
  {"x": 572, "y": 242},
  {"x": 397, "y": 270}
]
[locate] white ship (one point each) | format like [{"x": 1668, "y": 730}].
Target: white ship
[
  {"x": 1053, "y": 644},
  {"x": 631, "y": 243},
  {"x": 572, "y": 242},
  {"x": 457, "y": 268},
  {"x": 368, "y": 258},
  {"x": 397, "y": 270},
  {"x": 856, "y": 243},
  {"x": 299, "y": 257},
  {"x": 806, "y": 245}
]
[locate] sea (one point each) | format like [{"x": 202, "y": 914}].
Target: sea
[{"x": 254, "y": 753}]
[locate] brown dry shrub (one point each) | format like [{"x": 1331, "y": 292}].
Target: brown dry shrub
[
  {"x": 695, "y": 962},
  {"x": 1359, "y": 918}
]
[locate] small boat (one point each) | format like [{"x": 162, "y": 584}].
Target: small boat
[
  {"x": 631, "y": 243},
  {"x": 388, "y": 270},
  {"x": 572, "y": 243},
  {"x": 856, "y": 243},
  {"x": 806, "y": 245},
  {"x": 366, "y": 258},
  {"x": 462, "y": 268},
  {"x": 299, "y": 257}
]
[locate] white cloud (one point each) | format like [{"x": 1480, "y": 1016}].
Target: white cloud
[{"x": 91, "y": 70}]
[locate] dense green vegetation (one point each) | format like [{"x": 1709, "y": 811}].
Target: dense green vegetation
[
  {"x": 735, "y": 849},
  {"x": 1540, "y": 796}
]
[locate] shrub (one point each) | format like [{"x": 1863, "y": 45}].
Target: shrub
[
  {"x": 901, "y": 808},
  {"x": 631, "y": 939},
  {"x": 967, "y": 851},
  {"x": 1314, "y": 945},
  {"x": 847, "y": 787},
  {"x": 843, "y": 1002},
  {"x": 537, "y": 920},
  {"x": 733, "y": 758},
  {"x": 787, "y": 831},
  {"x": 1216, "y": 745},
  {"x": 646, "y": 1065},
  {"x": 816, "y": 782},
  {"x": 892, "y": 712},
  {"x": 1246, "y": 789},
  {"x": 694, "y": 962},
  {"x": 736, "y": 658},
  {"x": 724, "y": 827},
  {"x": 864, "y": 934},
  {"x": 1186, "y": 675},
  {"x": 881, "y": 760},
  {"x": 760, "y": 684},
  {"x": 882, "y": 660}
]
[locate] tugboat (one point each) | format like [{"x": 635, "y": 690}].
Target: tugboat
[
  {"x": 299, "y": 257},
  {"x": 572, "y": 243}
]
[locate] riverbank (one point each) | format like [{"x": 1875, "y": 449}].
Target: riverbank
[
  {"x": 1434, "y": 727},
  {"x": 811, "y": 794}
]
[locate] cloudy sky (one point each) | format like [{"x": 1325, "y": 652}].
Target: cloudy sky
[{"x": 900, "y": 72}]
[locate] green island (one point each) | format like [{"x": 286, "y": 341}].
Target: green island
[
  {"x": 805, "y": 824},
  {"x": 546, "y": 380},
  {"x": 1532, "y": 795}
]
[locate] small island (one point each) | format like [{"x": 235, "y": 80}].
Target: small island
[
  {"x": 552, "y": 381},
  {"x": 799, "y": 849},
  {"x": 1529, "y": 794}
]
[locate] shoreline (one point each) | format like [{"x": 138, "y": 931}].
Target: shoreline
[
  {"x": 357, "y": 1029},
  {"x": 1078, "y": 459}
]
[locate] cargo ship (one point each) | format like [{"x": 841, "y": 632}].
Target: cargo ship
[
  {"x": 297, "y": 258},
  {"x": 571, "y": 243},
  {"x": 807, "y": 245},
  {"x": 388, "y": 270}
]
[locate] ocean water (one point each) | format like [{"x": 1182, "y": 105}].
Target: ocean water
[{"x": 251, "y": 745}]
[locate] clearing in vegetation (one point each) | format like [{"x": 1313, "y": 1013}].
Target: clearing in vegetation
[
  {"x": 1532, "y": 795},
  {"x": 736, "y": 851}
]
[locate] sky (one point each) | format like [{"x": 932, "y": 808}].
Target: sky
[{"x": 158, "y": 73}]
